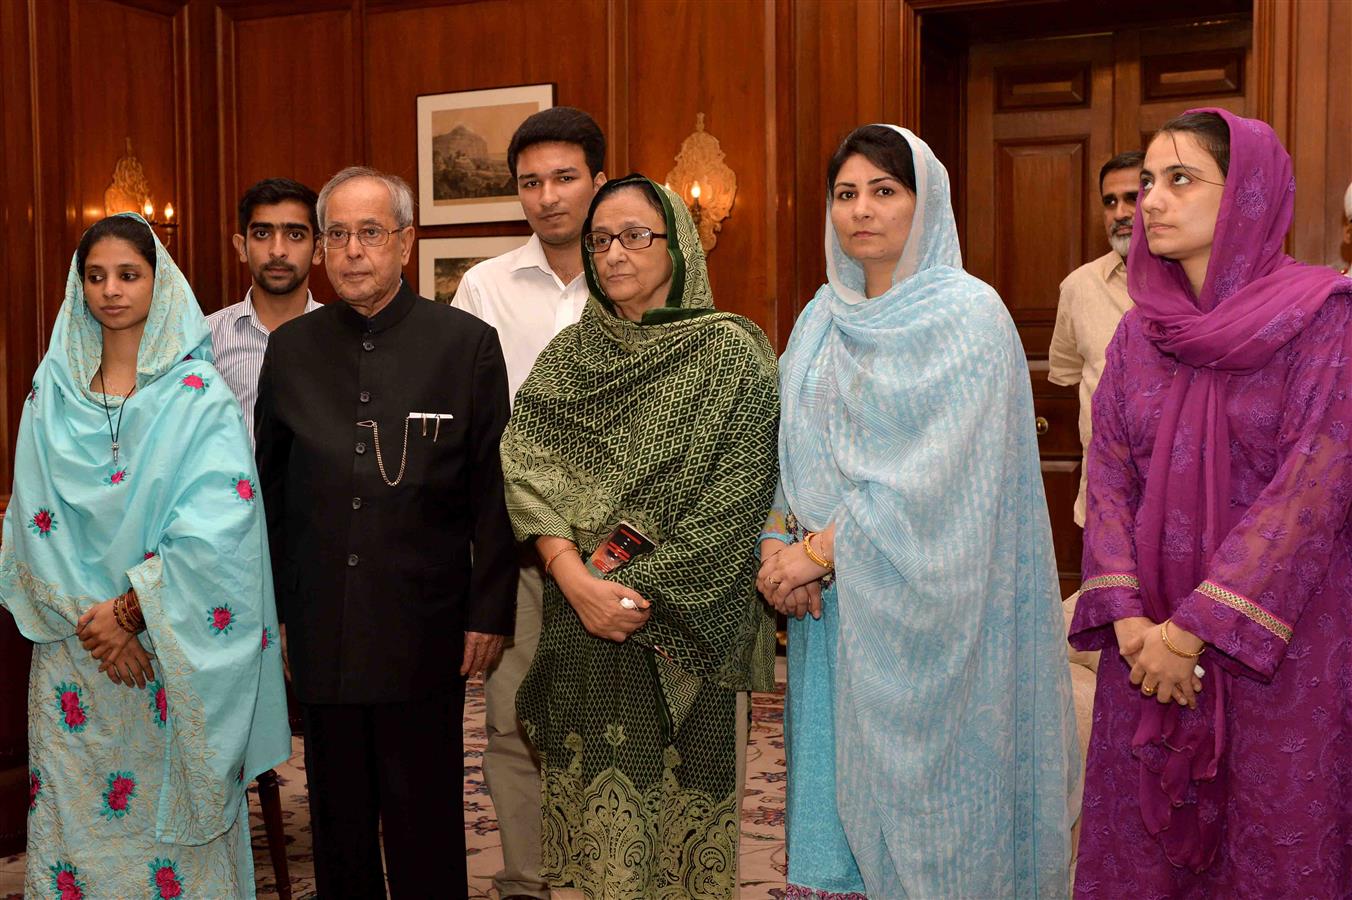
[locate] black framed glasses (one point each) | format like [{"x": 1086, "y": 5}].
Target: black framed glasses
[
  {"x": 367, "y": 236},
  {"x": 630, "y": 239}
]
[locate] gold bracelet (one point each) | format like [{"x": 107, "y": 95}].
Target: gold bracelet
[
  {"x": 1169, "y": 645},
  {"x": 813, "y": 555},
  {"x": 550, "y": 562}
]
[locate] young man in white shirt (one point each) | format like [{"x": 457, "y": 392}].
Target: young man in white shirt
[
  {"x": 279, "y": 241},
  {"x": 529, "y": 295}
]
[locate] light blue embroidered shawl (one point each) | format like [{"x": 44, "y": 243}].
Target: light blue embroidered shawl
[
  {"x": 908, "y": 422},
  {"x": 178, "y": 520}
]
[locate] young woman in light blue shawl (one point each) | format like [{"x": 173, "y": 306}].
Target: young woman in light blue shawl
[
  {"x": 135, "y": 557},
  {"x": 929, "y": 728}
]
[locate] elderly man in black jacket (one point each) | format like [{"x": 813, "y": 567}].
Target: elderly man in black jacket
[{"x": 378, "y": 421}]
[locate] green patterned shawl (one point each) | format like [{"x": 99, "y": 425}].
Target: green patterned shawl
[{"x": 669, "y": 424}]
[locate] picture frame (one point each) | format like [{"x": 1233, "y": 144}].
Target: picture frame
[
  {"x": 442, "y": 262},
  {"x": 462, "y": 152}
]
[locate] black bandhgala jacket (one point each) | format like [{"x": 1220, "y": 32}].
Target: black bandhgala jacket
[{"x": 378, "y": 584}]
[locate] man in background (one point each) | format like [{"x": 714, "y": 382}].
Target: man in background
[
  {"x": 1094, "y": 298},
  {"x": 279, "y": 241},
  {"x": 529, "y": 295}
]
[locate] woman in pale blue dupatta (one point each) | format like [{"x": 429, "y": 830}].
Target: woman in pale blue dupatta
[
  {"x": 139, "y": 758},
  {"x": 929, "y": 728}
]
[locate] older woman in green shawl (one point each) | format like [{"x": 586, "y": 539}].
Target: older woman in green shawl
[
  {"x": 135, "y": 558},
  {"x": 658, "y": 411}
]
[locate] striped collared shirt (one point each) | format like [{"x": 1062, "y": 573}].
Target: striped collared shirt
[{"x": 238, "y": 341}]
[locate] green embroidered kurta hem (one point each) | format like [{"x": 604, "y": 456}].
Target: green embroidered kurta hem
[{"x": 669, "y": 424}]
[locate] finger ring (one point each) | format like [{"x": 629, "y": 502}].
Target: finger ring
[
  {"x": 1149, "y": 692},
  {"x": 628, "y": 603},
  {"x": 1198, "y": 671}
]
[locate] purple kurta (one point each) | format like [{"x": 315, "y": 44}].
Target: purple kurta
[
  {"x": 1220, "y": 478},
  {"x": 1276, "y": 602}
]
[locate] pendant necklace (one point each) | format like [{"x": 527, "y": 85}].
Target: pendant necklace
[{"x": 113, "y": 433}]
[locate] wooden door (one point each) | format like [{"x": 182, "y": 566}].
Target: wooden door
[{"x": 1042, "y": 116}]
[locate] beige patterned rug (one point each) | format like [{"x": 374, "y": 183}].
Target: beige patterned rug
[{"x": 762, "y": 859}]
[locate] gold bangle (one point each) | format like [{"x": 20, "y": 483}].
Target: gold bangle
[
  {"x": 1169, "y": 645},
  {"x": 817, "y": 558},
  {"x": 550, "y": 561}
]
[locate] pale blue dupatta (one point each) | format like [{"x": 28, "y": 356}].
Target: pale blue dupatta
[
  {"x": 907, "y": 421},
  {"x": 178, "y": 519}
]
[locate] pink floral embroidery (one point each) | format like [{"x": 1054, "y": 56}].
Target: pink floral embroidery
[
  {"x": 34, "y": 788},
  {"x": 117, "y": 476},
  {"x": 268, "y": 637},
  {"x": 43, "y": 522},
  {"x": 194, "y": 383},
  {"x": 243, "y": 487},
  {"x": 150, "y": 554},
  {"x": 222, "y": 618},
  {"x": 164, "y": 879},
  {"x": 1252, "y": 196},
  {"x": 159, "y": 704},
  {"x": 121, "y": 789},
  {"x": 73, "y": 714},
  {"x": 66, "y": 881},
  {"x": 33, "y": 394}
]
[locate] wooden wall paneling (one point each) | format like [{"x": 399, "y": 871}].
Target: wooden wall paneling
[
  {"x": 203, "y": 151},
  {"x": 1307, "y": 139},
  {"x": 1303, "y": 87},
  {"x": 136, "y": 101},
  {"x": 294, "y": 91},
  {"x": 1339, "y": 148},
  {"x": 706, "y": 47},
  {"x": 781, "y": 262},
  {"x": 836, "y": 56},
  {"x": 617, "y": 87},
  {"x": 19, "y": 351},
  {"x": 20, "y": 331},
  {"x": 412, "y": 50},
  {"x": 56, "y": 215}
]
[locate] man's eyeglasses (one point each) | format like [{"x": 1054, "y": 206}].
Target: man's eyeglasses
[
  {"x": 367, "y": 236},
  {"x": 630, "y": 239}
]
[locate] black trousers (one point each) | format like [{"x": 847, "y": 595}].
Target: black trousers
[{"x": 396, "y": 769}]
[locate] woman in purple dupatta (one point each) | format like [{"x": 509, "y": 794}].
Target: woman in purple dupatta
[{"x": 1220, "y": 481}]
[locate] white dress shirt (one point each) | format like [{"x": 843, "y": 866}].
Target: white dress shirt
[
  {"x": 238, "y": 341},
  {"x": 520, "y": 296}
]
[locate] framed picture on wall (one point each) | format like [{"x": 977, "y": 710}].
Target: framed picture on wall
[
  {"x": 462, "y": 152},
  {"x": 442, "y": 262}
]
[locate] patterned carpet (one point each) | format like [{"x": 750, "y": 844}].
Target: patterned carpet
[{"x": 762, "y": 859}]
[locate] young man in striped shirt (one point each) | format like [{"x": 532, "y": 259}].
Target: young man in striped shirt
[{"x": 278, "y": 241}]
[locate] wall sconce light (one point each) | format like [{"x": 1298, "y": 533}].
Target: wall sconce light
[
  {"x": 705, "y": 182},
  {"x": 130, "y": 192}
]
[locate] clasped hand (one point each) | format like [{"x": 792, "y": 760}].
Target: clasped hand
[
  {"x": 790, "y": 581},
  {"x": 1156, "y": 670},
  {"x": 119, "y": 652}
]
